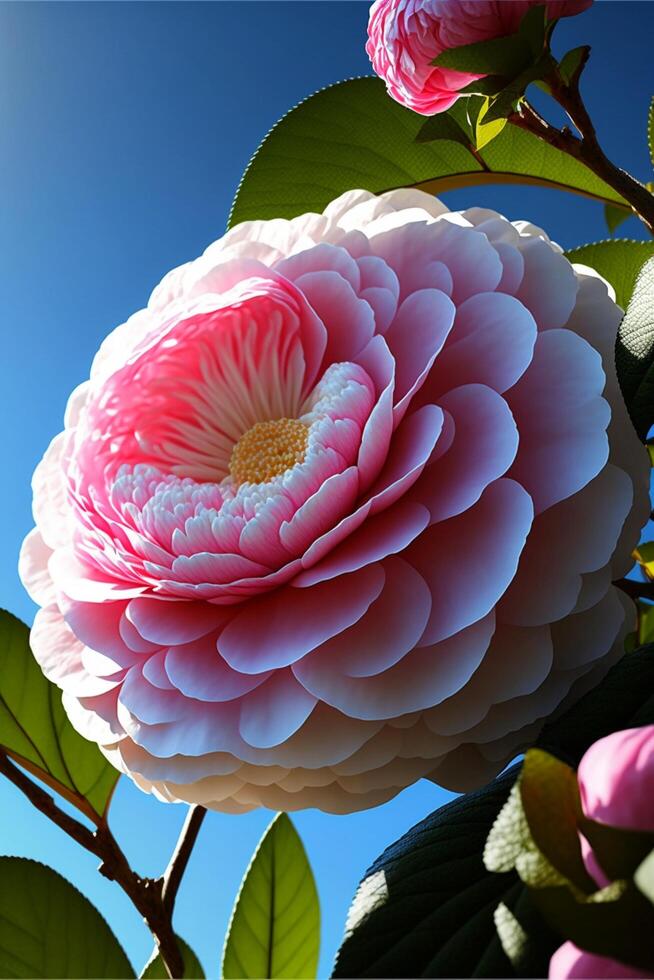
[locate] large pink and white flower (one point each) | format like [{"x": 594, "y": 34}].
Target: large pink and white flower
[
  {"x": 340, "y": 509},
  {"x": 404, "y": 37}
]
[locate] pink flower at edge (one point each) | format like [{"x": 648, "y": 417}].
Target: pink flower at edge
[
  {"x": 616, "y": 782},
  {"x": 404, "y": 37},
  {"x": 340, "y": 509}
]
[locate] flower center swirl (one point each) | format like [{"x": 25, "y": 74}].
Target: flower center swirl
[{"x": 267, "y": 450}]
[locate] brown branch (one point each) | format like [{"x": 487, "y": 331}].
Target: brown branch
[
  {"x": 586, "y": 149},
  {"x": 145, "y": 894},
  {"x": 637, "y": 590},
  {"x": 177, "y": 866}
]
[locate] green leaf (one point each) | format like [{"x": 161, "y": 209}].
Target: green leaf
[
  {"x": 634, "y": 352},
  {"x": 353, "y": 135},
  {"x": 650, "y": 130},
  {"x": 644, "y": 877},
  {"x": 614, "y": 217},
  {"x": 426, "y": 906},
  {"x": 433, "y": 910},
  {"x": 573, "y": 62},
  {"x": 615, "y": 922},
  {"x": 497, "y": 56},
  {"x": 550, "y": 798},
  {"x": 487, "y": 85},
  {"x": 619, "y": 262},
  {"x": 533, "y": 28},
  {"x": 36, "y": 733},
  {"x": 49, "y": 929},
  {"x": 487, "y": 131},
  {"x": 275, "y": 926},
  {"x": 442, "y": 127},
  {"x": 155, "y": 969}
]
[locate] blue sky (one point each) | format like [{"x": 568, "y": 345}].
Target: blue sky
[{"x": 125, "y": 128}]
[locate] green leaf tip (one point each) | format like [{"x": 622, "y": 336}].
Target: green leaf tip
[{"x": 275, "y": 926}]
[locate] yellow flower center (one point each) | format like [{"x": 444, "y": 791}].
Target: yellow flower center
[{"x": 268, "y": 449}]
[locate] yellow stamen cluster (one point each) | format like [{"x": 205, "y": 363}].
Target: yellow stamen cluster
[{"x": 268, "y": 449}]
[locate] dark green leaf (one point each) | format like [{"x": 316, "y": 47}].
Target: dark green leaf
[
  {"x": 275, "y": 925},
  {"x": 442, "y": 127},
  {"x": 618, "y": 851},
  {"x": 426, "y": 906},
  {"x": 488, "y": 85},
  {"x": 572, "y": 63},
  {"x": 497, "y": 56},
  {"x": 624, "y": 699},
  {"x": 619, "y": 262},
  {"x": 614, "y": 217},
  {"x": 634, "y": 352},
  {"x": 353, "y": 135},
  {"x": 49, "y": 929},
  {"x": 533, "y": 28},
  {"x": 155, "y": 969},
  {"x": 35, "y": 731},
  {"x": 616, "y": 922},
  {"x": 510, "y": 96}
]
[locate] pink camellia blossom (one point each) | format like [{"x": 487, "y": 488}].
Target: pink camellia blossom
[
  {"x": 340, "y": 509},
  {"x": 404, "y": 37},
  {"x": 616, "y": 783}
]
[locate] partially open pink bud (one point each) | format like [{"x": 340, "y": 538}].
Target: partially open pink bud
[{"x": 404, "y": 37}]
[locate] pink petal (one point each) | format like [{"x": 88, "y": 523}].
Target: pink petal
[
  {"x": 562, "y": 418},
  {"x": 275, "y": 711},
  {"x": 170, "y": 623},
  {"x": 198, "y": 671},
  {"x": 278, "y": 629},
  {"x": 469, "y": 561},
  {"x": 385, "y": 534},
  {"x": 484, "y": 446}
]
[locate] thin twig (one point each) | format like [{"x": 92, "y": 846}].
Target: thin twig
[
  {"x": 637, "y": 590},
  {"x": 585, "y": 149},
  {"x": 146, "y": 894},
  {"x": 177, "y": 866}
]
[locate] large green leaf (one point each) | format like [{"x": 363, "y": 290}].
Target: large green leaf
[
  {"x": 49, "y": 929},
  {"x": 618, "y": 261},
  {"x": 275, "y": 925},
  {"x": 193, "y": 970},
  {"x": 35, "y": 731},
  {"x": 352, "y": 135},
  {"x": 428, "y": 906},
  {"x": 634, "y": 352}
]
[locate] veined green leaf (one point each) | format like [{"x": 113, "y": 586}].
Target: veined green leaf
[
  {"x": 634, "y": 352},
  {"x": 35, "y": 731},
  {"x": 275, "y": 925},
  {"x": 193, "y": 970},
  {"x": 573, "y": 62},
  {"x": 487, "y": 131},
  {"x": 49, "y": 929},
  {"x": 442, "y": 127},
  {"x": 618, "y": 261},
  {"x": 353, "y": 135}
]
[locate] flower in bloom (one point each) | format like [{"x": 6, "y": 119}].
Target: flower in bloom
[
  {"x": 616, "y": 784},
  {"x": 340, "y": 509},
  {"x": 404, "y": 37}
]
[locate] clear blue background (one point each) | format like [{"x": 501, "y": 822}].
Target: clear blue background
[{"x": 124, "y": 129}]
